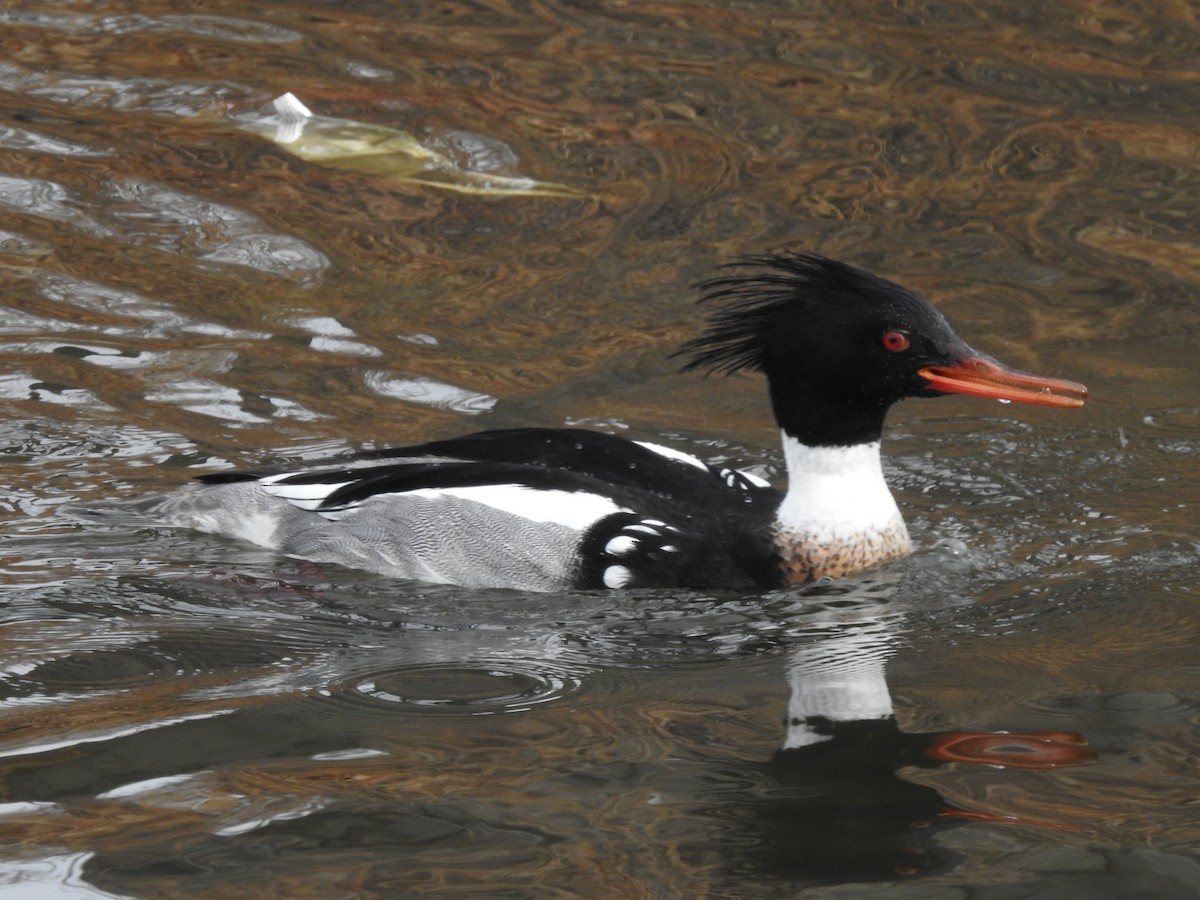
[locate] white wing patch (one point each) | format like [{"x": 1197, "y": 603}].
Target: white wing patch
[
  {"x": 305, "y": 496},
  {"x": 754, "y": 479},
  {"x": 672, "y": 453},
  {"x": 739, "y": 477},
  {"x": 577, "y": 510},
  {"x": 729, "y": 476}
]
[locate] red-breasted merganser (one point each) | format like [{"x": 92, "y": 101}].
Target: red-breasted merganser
[{"x": 548, "y": 509}]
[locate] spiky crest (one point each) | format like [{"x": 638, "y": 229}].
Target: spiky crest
[{"x": 752, "y": 306}]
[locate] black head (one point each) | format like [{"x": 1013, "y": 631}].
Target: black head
[{"x": 839, "y": 346}]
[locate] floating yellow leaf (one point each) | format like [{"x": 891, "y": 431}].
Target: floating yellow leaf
[{"x": 378, "y": 150}]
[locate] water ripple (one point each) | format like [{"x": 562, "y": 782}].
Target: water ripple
[
  {"x": 1180, "y": 420},
  {"x": 47, "y": 200},
  {"x": 242, "y": 31},
  {"x": 21, "y": 386},
  {"x": 221, "y": 401},
  {"x": 483, "y": 687},
  {"x": 13, "y": 138},
  {"x": 143, "y": 213},
  {"x": 429, "y": 392},
  {"x": 105, "y": 300},
  {"x": 276, "y": 254},
  {"x": 159, "y": 95},
  {"x": 173, "y": 220}
]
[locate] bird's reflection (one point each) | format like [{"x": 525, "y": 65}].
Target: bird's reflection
[{"x": 837, "y": 808}]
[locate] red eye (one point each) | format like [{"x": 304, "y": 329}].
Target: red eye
[{"x": 895, "y": 341}]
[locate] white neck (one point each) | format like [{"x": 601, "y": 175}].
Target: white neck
[{"x": 836, "y": 494}]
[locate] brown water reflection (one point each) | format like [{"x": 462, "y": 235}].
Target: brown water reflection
[{"x": 185, "y": 716}]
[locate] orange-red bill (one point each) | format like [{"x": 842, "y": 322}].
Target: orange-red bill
[{"x": 983, "y": 378}]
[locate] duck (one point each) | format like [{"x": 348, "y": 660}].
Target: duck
[{"x": 551, "y": 509}]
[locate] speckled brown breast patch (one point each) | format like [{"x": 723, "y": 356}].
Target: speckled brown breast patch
[{"x": 803, "y": 559}]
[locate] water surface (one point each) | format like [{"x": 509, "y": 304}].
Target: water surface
[{"x": 183, "y": 715}]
